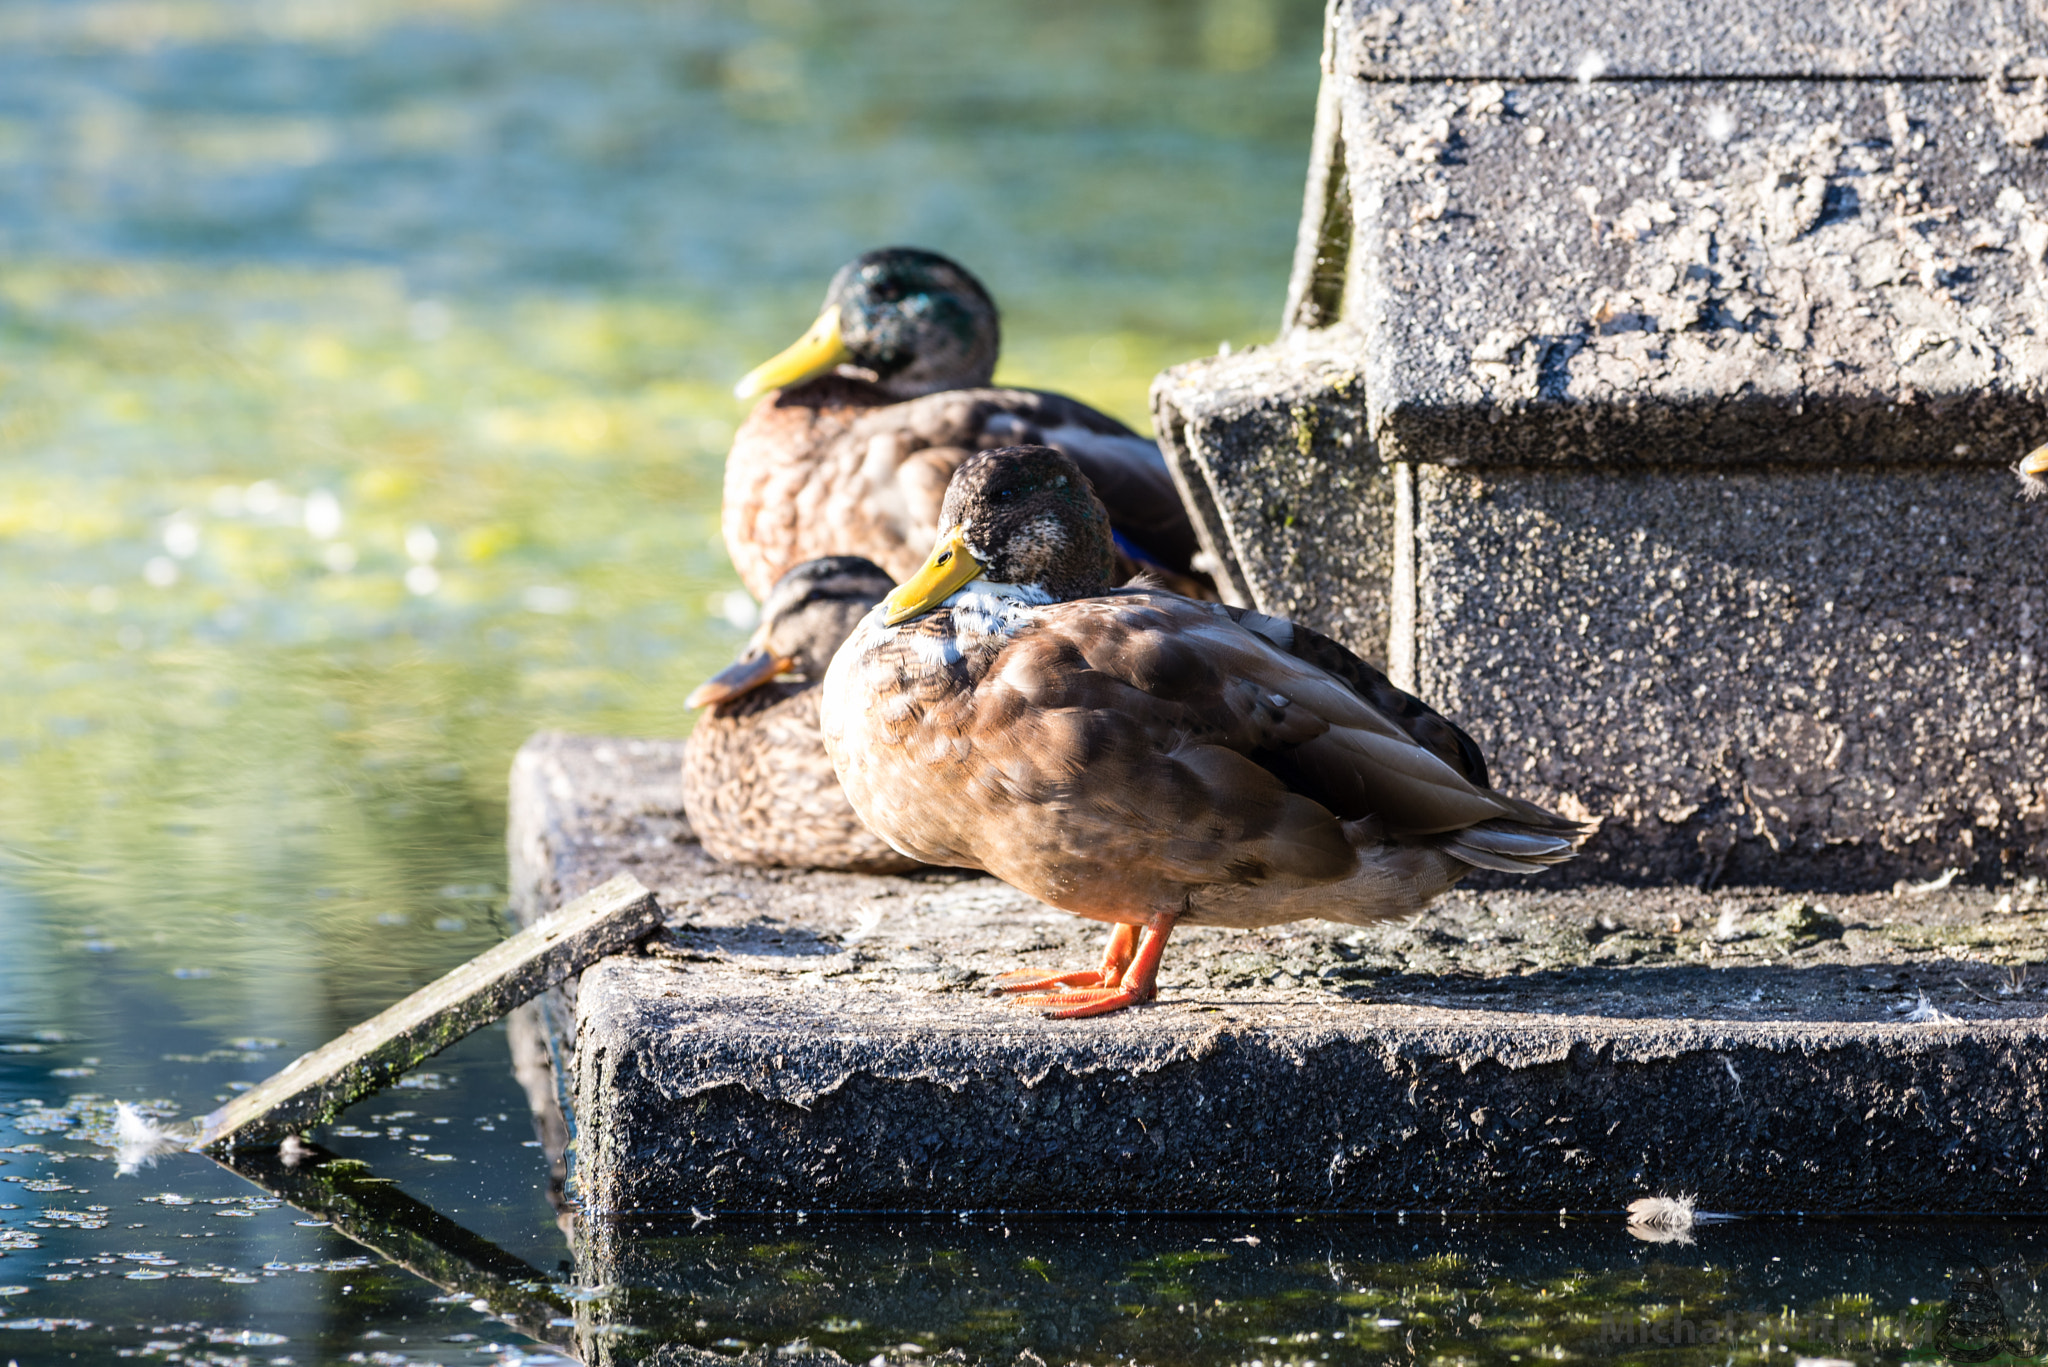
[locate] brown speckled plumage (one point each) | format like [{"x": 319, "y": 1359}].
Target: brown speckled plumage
[
  {"x": 833, "y": 466},
  {"x": 1138, "y": 757},
  {"x": 882, "y": 400},
  {"x": 1141, "y": 751},
  {"x": 759, "y": 789},
  {"x": 757, "y": 785}
]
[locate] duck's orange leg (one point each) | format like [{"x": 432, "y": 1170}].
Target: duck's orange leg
[
  {"x": 1138, "y": 983},
  {"x": 1116, "y": 957}
]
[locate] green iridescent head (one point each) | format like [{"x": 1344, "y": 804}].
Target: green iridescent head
[{"x": 910, "y": 321}]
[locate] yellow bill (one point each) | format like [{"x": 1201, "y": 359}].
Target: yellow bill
[
  {"x": 2035, "y": 462},
  {"x": 736, "y": 680},
  {"x": 946, "y": 571},
  {"x": 814, "y": 353}
]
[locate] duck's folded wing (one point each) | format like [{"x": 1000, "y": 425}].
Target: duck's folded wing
[
  {"x": 1224, "y": 684},
  {"x": 1128, "y": 783},
  {"x": 1429, "y": 727}
]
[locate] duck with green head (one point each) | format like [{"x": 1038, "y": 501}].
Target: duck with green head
[
  {"x": 862, "y": 422},
  {"x": 1141, "y": 758}
]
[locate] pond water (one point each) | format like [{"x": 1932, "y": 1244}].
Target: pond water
[{"x": 364, "y": 377}]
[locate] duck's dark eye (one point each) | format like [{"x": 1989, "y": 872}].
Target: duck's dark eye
[{"x": 1004, "y": 493}]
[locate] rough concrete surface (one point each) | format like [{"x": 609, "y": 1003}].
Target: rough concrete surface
[
  {"x": 1735, "y": 368},
  {"x": 1623, "y": 39},
  {"x": 1308, "y": 534},
  {"x": 1690, "y": 273},
  {"x": 824, "y": 1041},
  {"x": 1826, "y": 676}
]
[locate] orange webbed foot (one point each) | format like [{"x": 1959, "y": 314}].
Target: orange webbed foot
[
  {"x": 1129, "y": 975},
  {"x": 1100, "y": 1001},
  {"x": 1116, "y": 957},
  {"x": 1023, "y": 981}
]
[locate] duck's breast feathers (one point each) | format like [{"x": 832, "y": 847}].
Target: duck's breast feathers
[
  {"x": 791, "y": 486},
  {"x": 1189, "y": 673}
]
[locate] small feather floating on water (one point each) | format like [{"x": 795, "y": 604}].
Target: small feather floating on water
[
  {"x": 1927, "y": 1013},
  {"x": 1938, "y": 883},
  {"x": 1662, "y": 1212},
  {"x": 1668, "y": 1219},
  {"x": 140, "y": 1141},
  {"x": 2033, "y": 472}
]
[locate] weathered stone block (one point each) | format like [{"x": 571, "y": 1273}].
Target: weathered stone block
[
  {"x": 1830, "y": 674},
  {"x": 1692, "y": 327},
  {"x": 1794, "y": 273},
  {"x": 816, "y": 1042},
  {"x": 1295, "y": 515}
]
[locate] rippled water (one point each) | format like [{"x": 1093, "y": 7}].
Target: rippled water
[{"x": 363, "y": 389}]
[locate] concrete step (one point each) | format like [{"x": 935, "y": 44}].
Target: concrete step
[
  {"x": 1648, "y": 39},
  {"x": 819, "y": 1042},
  {"x": 1658, "y": 426},
  {"x": 1698, "y": 273}
]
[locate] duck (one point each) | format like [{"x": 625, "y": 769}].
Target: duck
[
  {"x": 1141, "y": 758},
  {"x": 2033, "y": 472},
  {"x": 757, "y": 786},
  {"x": 862, "y": 421}
]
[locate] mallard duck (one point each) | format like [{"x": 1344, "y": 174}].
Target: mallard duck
[
  {"x": 867, "y": 416},
  {"x": 757, "y": 786},
  {"x": 1141, "y": 758},
  {"x": 2033, "y": 472}
]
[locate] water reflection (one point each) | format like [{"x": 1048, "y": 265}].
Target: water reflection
[
  {"x": 982, "y": 1288},
  {"x": 373, "y": 1212},
  {"x": 187, "y": 1253},
  {"x": 1418, "y": 1289},
  {"x": 363, "y": 391}
]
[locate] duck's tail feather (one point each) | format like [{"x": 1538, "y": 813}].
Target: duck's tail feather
[{"x": 1511, "y": 847}]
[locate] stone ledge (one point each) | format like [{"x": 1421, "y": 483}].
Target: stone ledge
[
  {"x": 1645, "y": 39},
  {"x": 817, "y": 1042},
  {"x": 1849, "y": 274},
  {"x": 1293, "y": 509}
]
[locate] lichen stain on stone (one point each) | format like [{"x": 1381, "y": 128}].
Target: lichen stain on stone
[
  {"x": 1269, "y": 431},
  {"x": 1304, "y": 430}
]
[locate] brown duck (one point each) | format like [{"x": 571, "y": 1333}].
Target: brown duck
[
  {"x": 1141, "y": 758},
  {"x": 757, "y": 786},
  {"x": 868, "y": 415}
]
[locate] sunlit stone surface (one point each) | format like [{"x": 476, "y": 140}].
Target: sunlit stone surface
[
  {"x": 816, "y": 1042},
  {"x": 1655, "y": 420}
]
